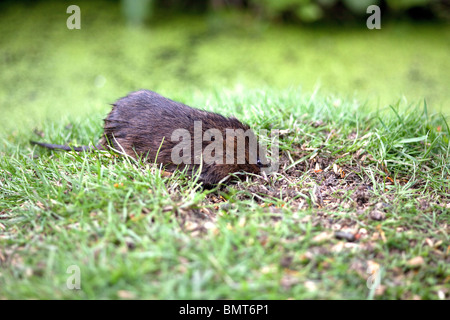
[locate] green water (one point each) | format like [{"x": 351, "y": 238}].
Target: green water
[{"x": 48, "y": 71}]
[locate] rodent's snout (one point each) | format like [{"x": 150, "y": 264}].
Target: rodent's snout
[
  {"x": 259, "y": 163},
  {"x": 262, "y": 165}
]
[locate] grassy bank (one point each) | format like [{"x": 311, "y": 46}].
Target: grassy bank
[{"x": 356, "y": 191}]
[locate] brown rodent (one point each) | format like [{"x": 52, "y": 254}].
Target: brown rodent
[{"x": 141, "y": 125}]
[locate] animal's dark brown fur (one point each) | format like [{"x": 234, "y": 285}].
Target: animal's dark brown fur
[{"x": 142, "y": 123}]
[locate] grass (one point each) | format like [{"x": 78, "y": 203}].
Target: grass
[{"x": 355, "y": 189}]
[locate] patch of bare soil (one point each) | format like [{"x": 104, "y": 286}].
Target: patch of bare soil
[
  {"x": 315, "y": 183},
  {"x": 340, "y": 194}
]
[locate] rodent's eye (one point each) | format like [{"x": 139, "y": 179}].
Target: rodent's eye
[{"x": 259, "y": 163}]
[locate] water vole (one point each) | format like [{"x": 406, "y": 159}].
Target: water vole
[{"x": 147, "y": 125}]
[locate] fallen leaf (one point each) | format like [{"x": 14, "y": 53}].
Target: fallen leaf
[
  {"x": 380, "y": 230},
  {"x": 166, "y": 173},
  {"x": 416, "y": 261},
  {"x": 338, "y": 247},
  {"x": 323, "y": 236},
  {"x": 317, "y": 168},
  {"x": 335, "y": 168},
  {"x": 124, "y": 294},
  {"x": 372, "y": 267}
]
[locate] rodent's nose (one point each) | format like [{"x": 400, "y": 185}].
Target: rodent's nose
[{"x": 259, "y": 163}]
